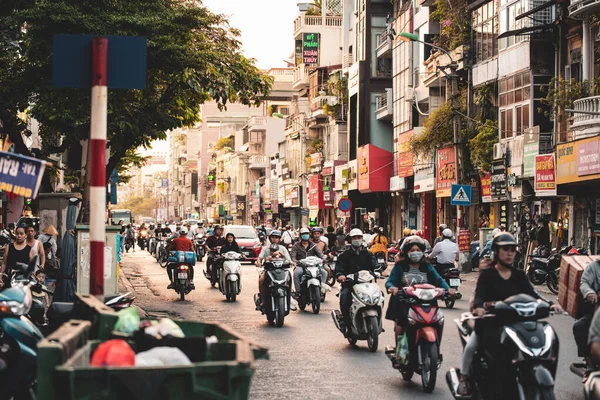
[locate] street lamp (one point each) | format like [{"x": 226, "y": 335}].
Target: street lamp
[{"x": 412, "y": 37}]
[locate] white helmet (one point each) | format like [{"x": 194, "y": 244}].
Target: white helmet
[
  {"x": 183, "y": 230},
  {"x": 496, "y": 231},
  {"x": 447, "y": 233},
  {"x": 304, "y": 230},
  {"x": 355, "y": 232}
]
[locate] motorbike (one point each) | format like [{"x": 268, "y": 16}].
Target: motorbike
[
  {"x": 129, "y": 244},
  {"x": 452, "y": 278},
  {"x": 310, "y": 283},
  {"x": 392, "y": 251},
  {"x": 278, "y": 304},
  {"x": 184, "y": 260},
  {"x": 331, "y": 261},
  {"x": 365, "y": 311},
  {"x": 530, "y": 348},
  {"x": 142, "y": 240},
  {"x": 212, "y": 274},
  {"x": 424, "y": 334},
  {"x": 230, "y": 275},
  {"x": 381, "y": 263},
  {"x": 199, "y": 242},
  {"x": 547, "y": 269},
  {"x": 162, "y": 255}
]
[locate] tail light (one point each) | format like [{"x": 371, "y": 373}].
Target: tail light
[{"x": 183, "y": 267}]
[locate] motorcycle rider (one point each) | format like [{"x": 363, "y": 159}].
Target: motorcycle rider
[
  {"x": 589, "y": 287},
  {"x": 180, "y": 243},
  {"x": 211, "y": 244},
  {"x": 302, "y": 249},
  {"x": 287, "y": 236},
  {"x": 379, "y": 243},
  {"x": 412, "y": 269},
  {"x": 316, "y": 238},
  {"x": 331, "y": 237},
  {"x": 130, "y": 236},
  {"x": 230, "y": 244},
  {"x": 355, "y": 258},
  {"x": 445, "y": 252},
  {"x": 273, "y": 251},
  {"x": 18, "y": 251},
  {"x": 496, "y": 283},
  {"x": 441, "y": 237}
]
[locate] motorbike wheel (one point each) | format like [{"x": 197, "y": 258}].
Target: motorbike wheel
[
  {"x": 162, "y": 258},
  {"x": 352, "y": 341},
  {"x": 182, "y": 294},
  {"x": 316, "y": 302},
  {"x": 301, "y": 305},
  {"x": 373, "y": 335},
  {"x": 407, "y": 375},
  {"x": 536, "y": 279},
  {"x": 450, "y": 303},
  {"x": 552, "y": 282},
  {"x": 429, "y": 366},
  {"x": 280, "y": 313},
  {"x": 233, "y": 289}
]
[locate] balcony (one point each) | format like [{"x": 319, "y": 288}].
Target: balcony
[
  {"x": 317, "y": 105},
  {"x": 383, "y": 106},
  {"x": 258, "y": 161},
  {"x": 301, "y": 74},
  {"x": 438, "y": 60},
  {"x": 585, "y": 125},
  {"x": 312, "y": 21},
  {"x": 257, "y": 123},
  {"x": 348, "y": 60},
  {"x": 580, "y": 8},
  {"x": 384, "y": 45}
]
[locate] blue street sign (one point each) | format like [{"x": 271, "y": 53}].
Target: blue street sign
[
  {"x": 460, "y": 195},
  {"x": 72, "y": 61},
  {"x": 345, "y": 204},
  {"x": 20, "y": 174}
]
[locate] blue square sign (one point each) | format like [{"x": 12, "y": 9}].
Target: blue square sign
[{"x": 460, "y": 195}]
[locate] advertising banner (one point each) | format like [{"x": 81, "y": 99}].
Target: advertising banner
[
  {"x": 545, "y": 175},
  {"x": 588, "y": 158},
  {"x": 498, "y": 181},
  {"x": 21, "y": 175},
  {"x": 424, "y": 174},
  {"x": 310, "y": 49},
  {"x": 405, "y": 155},
  {"x": 445, "y": 171},
  {"x": 486, "y": 187}
]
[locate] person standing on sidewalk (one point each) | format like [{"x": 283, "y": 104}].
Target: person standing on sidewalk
[{"x": 37, "y": 249}]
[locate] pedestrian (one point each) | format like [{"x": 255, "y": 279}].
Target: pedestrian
[
  {"x": 331, "y": 237},
  {"x": 37, "y": 249},
  {"x": 52, "y": 268},
  {"x": 48, "y": 235},
  {"x": 17, "y": 252}
]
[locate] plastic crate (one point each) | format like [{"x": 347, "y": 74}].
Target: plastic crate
[
  {"x": 88, "y": 308},
  {"x": 182, "y": 257},
  {"x": 221, "y": 371}
]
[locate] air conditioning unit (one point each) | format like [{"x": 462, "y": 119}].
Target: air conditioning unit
[
  {"x": 409, "y": 94},
  {"x": 498, "y": 151}
]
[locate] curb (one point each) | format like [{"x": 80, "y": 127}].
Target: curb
[{"x": 124, "y": 281}]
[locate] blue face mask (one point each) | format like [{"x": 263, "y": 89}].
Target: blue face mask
[{"x": 305, "y": 237}]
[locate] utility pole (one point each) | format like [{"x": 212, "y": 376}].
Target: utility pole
[{"x": 457, "y": 134}]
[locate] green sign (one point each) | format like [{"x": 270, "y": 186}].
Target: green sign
[
  {"x": 530, "y": 150},
  {"x": 310, "y": 49}
]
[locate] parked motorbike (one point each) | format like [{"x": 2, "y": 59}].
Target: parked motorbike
[
  {"x": 280, "y": 288},
  {"x": 365, "y": 311},
  {"x": 199, "y": 242},
  {"x": 530, "y": 348},
  {"x": 381, "y": 263},
  {"x": 184, "y": 260},
  {"x": 424, "y": 334},
  {"x": 547, "y": 269},
  {"x": 230, "y": 275},
  {"x": 310, "y": 283}
]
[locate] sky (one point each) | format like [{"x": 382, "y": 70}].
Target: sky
[{"x": 266, "y": 27}]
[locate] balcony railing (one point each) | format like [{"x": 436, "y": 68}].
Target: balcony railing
[
  {"x": 383, "y": 105},
  {"x": 348, "y": 60},
  {"x": 439, "y": 60},
  {"x": 258, "y": 161},
  {"x": 580, "y": 7},
  {"x": 304, "y": 20},
  {"x": 317, "y": 104},
  {"x": 586, "y": 122},
  {"x": 384, "y": 45},
  {"x": 257, "y": 123}
]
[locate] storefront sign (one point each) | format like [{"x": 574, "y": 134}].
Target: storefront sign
[
  {"x": 315, "y": 192},
  {"x": 516, "y": 156},
  {"x": 486, "y": 187},
  {"x": 530, "y": 150},
  {"x": 310, "y": 49},
  {"x": 498, "y": 181},
  {"x": 464, "y": 240},
  {"x": 374, "y": 169},
  {"x": 424, "y": 174},
  {"x": 445, "y": 171},
  {"x": 545, "y": 175},
  {"x": 21, "y": 175},
  {"x": 405, "y": 155},
  {"x": 396, "y": 184},
  {"x": 588, "y": 158},
  {"x": 504, "y": 214},
  {"x": 352, "y": 175}
]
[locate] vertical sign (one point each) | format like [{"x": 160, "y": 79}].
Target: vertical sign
[
  {"x": 498, "y": 181},
  {"x": 486, "y": 187},
  {"x": 530, "y": 150},
  {"x": 545, "y": 175},
  {"x": 445, "y": 171},
  {"x": 405, "y": 155},
  {"x": 310, "y": 49}
]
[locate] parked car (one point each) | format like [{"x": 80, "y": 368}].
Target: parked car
[{"x": 247, "y": 238}]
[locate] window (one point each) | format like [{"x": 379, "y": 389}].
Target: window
[
  {"x": 508, "y": 22},
  {"x": 485, "y": 30},
  {"x": 514, "y": 98}
]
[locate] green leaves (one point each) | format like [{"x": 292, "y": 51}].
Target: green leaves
[{"x": 481, "y": 145}]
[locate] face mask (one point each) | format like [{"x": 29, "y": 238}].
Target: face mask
[
  {"x": 415, "y": 256},
  {"x": 305, "y": 237},
  {"x": 356, "y": 243}
]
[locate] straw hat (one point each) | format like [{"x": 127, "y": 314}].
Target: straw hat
[{"x": 50, "y": 230}]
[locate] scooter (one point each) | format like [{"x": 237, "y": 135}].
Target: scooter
[
  {"x": 184, "y": 260},
  {"x": 332, "y": 257},
  {"x": 230, "y": 275},
  {"x": 310, "y": 283},
  {"x": 129, "y": 244},
  {"x": 200, "y": 251},
  {"x": 142, "y": 239},
  {"x": 424, "y": 335},
  {"x": 280, "y": 289},
  {"x": 530, "y": 348},
  {"x": 381, "y": 262},
  {"x": 365, "y": 311},
  {"x": 212, "y": 274},
  {"x": 452, "y": 278}
]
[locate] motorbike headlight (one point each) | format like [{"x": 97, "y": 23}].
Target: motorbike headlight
[
  {"x": 16, "y": 307},
  {"x": 376, "y": 297},
  {"x": 411, "y": 321},
  {"x": 365, "y": 298}
]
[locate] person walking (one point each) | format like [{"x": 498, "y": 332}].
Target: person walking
[{"x": 37, "y": 249}]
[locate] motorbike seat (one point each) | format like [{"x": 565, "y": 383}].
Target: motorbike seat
[
  {"x": 542, "y": 260},
  {"x": 60, "y": 309},
  {"x": 519, "y": 298}
]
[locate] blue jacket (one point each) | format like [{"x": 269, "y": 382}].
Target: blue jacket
[{"x": 396, "y": 278}]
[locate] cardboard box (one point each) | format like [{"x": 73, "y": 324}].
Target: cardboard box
[
  {"x": 563, "y": 295},
  {"x": 564, "y": 271},
  {"x": 572, "y": 303},
  {"x": 575, "y": 272}
]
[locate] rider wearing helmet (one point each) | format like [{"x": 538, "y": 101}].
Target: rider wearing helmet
[
  {"x": 317, "y": 238},
  {"x": 496, "y": 283},
  {"x": 274, "y": 250},
  {"x": 180, "y": 243},
  {"x": 212, "y": 243},
  {"x": 355, "y": 258},
  {"x": 444, "y": 252},
  {"x": 302, "y": 249},
  {"x": 331, "y": 237},
  {"x": 412, "y": 269},
  {"x": 441, "y": 237},
  {"x": 379, "y": 243}
]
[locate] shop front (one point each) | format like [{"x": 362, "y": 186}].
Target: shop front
[
  {"x": 316, "y": 201},
  {"x": 424, "y": 190},
  {"x": 445, "y": 178}
]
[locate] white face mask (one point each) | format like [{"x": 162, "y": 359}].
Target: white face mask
[
  {"x": 415, "y": 256},
  {"x": 356, "y": 243}
]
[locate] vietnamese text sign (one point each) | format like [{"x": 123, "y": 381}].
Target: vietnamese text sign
[
  {"x": 424, "y": 174},
  {"x": 310, "y": 49},
  {"x": 464, "y": 240},
  {"x": 530, "y": 150},
  {"x": 588, "y": 158},
  {"x": 20, "y": 175},
  {"x": 445, "y": 171},
  {"x": 498, "y": 181},
  {"x": 486, "y": 187},
  {"x": 545, "y": 175},
  {"x": 405, "y": 155}
]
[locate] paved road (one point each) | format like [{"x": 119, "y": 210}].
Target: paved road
[{"x": 309, "y": 358}]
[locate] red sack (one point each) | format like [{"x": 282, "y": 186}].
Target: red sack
[{"x": 113, "y": 353}]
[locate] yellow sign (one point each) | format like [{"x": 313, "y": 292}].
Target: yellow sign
[
  {"x": 364, "y": 168},
  {"x": 567, "y": 160}
]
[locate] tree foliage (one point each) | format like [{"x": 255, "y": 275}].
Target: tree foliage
[
  {"x": 194, "y": 56},
  {"x": 481, "y": 146},
  {"x": 224, "y": 142},
  {"x": 437, "y": 131},
  {"x": 139, "y": 206},
  {"x": 561, "y": 93},
  {"x": 454, "y": 21}
]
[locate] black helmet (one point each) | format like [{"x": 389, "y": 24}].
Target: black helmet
[
  {"x": 218, "y": 227},
  {"x": 410, "y": 242},
  {"x": 503, "y": 239},
  {"x": 330, "y": 229}
]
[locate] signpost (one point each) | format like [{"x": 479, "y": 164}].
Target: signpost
[
  {"x": 345, "y": 204},
  {"x": 460, "y": 195}
]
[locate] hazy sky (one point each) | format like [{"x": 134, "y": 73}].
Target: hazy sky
[{"x": 266, "y": 25}]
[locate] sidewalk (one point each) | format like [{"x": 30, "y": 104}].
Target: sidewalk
[{"x": 126, "y": 286}]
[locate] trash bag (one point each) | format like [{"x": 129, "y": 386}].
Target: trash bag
[
  {"x": 113, "y": 353},
  {"x": 161, "y": 357},
  {"x": 164, "y": 327},
  {"x": 402, "y": 350},
  {"x": 129, "y": 320}
]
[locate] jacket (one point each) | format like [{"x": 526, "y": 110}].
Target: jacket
[
  {"x": 230, "y": 247},
  {"x": 397, "y": 279},
  {"x": 590, "y": 280},
  {"x": 300, "y": 253},
  {"x": 379, "y": 244},
  {"x": 350, "y": 263}
]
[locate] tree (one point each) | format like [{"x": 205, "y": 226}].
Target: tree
[
  {"x": 139, "y": 206},
  {"x": 194, "y": 56}
]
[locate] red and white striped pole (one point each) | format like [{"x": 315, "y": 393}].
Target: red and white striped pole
[{"x": 97, "y": 166}]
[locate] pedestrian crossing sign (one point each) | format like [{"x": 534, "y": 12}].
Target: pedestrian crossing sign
[{"x": 460, "y": 195}]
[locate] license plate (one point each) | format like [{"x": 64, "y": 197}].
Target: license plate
[
  {"x": 250, "y": 253},
  {"x": 182, "y": 275},
  {"x": 455, "y": 282},
  {"x": 335, "y": 258},
  {"x": 380, "y": 260}
]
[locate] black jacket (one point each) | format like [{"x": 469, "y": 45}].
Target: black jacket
[
  {"x": 350, "y": 262},
  {"x": 230, "y": 247}
]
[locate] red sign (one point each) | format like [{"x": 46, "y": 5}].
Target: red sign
[
  {"x": 405, "y": 155},
  {"x": 315, "y": 192},
  {"x": 464, "y": 240},
  {"x": 486, "y": 187},
  {"x": 545, "y": 175},
  {"x": 374, "y": 169},
  {"x": 445, "y": 171}
]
